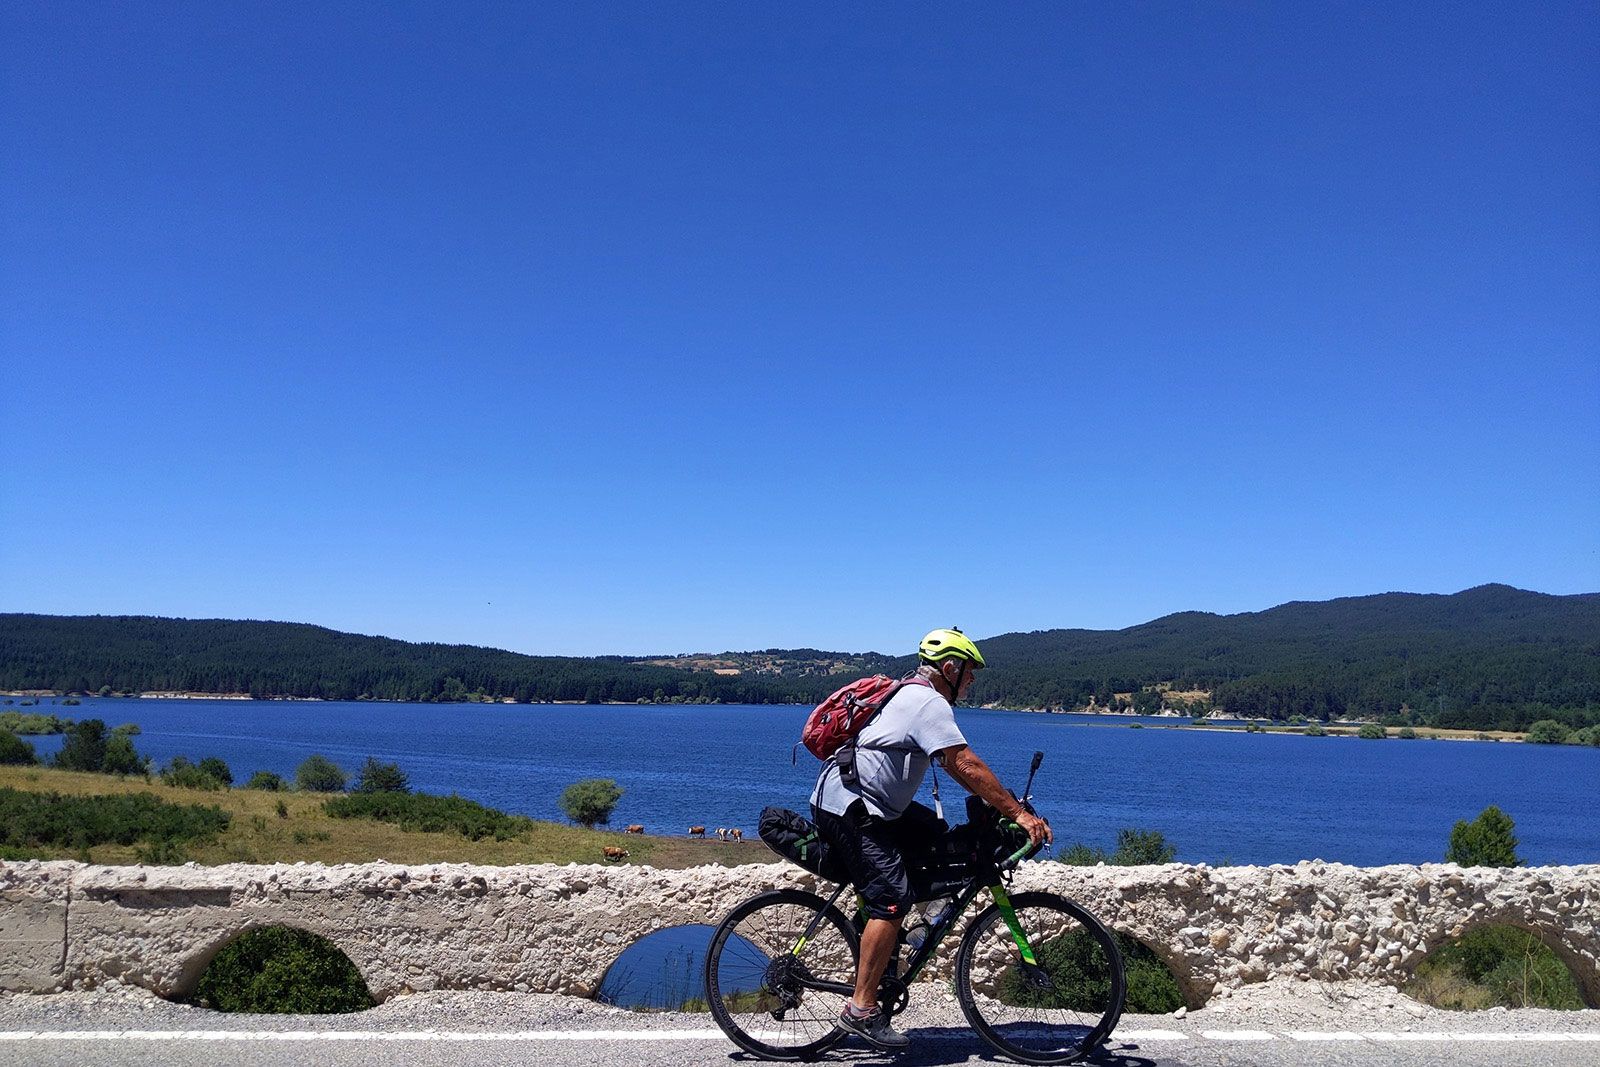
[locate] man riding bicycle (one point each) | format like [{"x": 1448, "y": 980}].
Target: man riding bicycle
[{"x": 866, "y": 811}]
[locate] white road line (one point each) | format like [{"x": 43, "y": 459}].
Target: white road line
[
  {"x": 1147, "y": 1035},
  {"x": 1238, "y": 1035}
]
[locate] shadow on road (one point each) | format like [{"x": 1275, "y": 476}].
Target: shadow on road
[{"x": 940, "y": 1046}]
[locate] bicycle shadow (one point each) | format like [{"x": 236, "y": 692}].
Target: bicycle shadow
[{"x": 936, "y": 1046}]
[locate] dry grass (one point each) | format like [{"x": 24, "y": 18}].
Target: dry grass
[{"x": 259, "y": 834}]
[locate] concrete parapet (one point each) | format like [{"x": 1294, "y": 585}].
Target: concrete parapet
[{"x": 549, "y": 929}]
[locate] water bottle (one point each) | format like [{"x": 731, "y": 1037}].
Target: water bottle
[
  {"x": 916, "y": 932},
  {"x": 938, "y": 911}
]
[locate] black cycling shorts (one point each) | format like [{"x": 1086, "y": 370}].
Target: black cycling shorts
[{"x": 877, "y": 852}]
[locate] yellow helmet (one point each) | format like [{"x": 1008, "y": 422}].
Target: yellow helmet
[{"x": 944, "y": 644}]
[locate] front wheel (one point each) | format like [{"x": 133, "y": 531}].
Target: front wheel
[
  {"x": 775, "y": 995},
  {"x": 1055, "y": 1008}
]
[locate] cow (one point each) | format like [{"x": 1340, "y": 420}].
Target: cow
[
  {"x": 636, "y": 828},
  {"x": 736, "y": 833},
  {"x": 697, "y": 831},
  {"x": 612, "y": 852},
  {"x": 722, "y": 833}
]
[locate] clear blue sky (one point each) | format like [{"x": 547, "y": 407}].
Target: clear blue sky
[{"x": 588, "y": 328}]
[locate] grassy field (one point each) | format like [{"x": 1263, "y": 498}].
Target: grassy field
[{"x": 259, "y": 834}]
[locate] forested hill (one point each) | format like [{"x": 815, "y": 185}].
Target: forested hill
[
  {"x": 133, "y": 653},
  {"x": 1490, "y": 657}
]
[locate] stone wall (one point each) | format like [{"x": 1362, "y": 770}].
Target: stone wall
[{"x": 551, "y": 929}]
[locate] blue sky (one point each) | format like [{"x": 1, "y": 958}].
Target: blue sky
[{"x": 579, "y": 328}]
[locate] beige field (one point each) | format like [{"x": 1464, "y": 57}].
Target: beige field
[{"x": 258, "y": 834}]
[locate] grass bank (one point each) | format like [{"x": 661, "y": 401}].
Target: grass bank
[{"x": 258, "y": 833}]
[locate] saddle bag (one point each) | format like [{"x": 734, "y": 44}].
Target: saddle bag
[{"x": 798, "y": 840}]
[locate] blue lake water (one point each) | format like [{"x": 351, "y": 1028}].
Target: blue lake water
[{"x": 1218, "y": 796}]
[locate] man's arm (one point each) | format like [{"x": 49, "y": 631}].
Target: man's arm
[{"x": 968, "y": 768}]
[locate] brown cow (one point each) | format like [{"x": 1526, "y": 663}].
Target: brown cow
[
  {"x": 736, "y": 833},
  {"x": 697, "y": 831},
  {"x": 636, "y": 828},
  {"x": 614, "y": 853}
]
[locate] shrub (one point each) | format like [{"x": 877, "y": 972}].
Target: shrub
[
  {"x": 1135, "y": 848},
  {"x": 1316, "y": 729},
  {"x": 282, "y": 809},
  {"x": 1372, "y": 732},
  {"x": 430, "y": 814},
  {"x": 1589, "y": 735},
  {"x": 319, "y": 774},
  {"x": 378, "y": 777},
  {"x": 50, "y": 819},
  {"x": 14, "y": 750},
  {"x": 213, "y": 767},
  {"x": 271, "y": 781},
  {"x": 120, "y": 756},
  {"x": 591, "y": 801},
  {"x": 1496, "y": 965},
  {"x": 1407, "y": 734},
  {"x": 280, "y": 970},
  {"x": 183, "y": 774},
  {"x": 1547, "y": 732},
  {"x": 1081, "y": 977},
  {"x": 84, "y": 748},
  {"x": 1486, "y": 841}
]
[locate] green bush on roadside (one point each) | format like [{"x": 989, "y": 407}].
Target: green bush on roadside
[
  {"x": 280, "y": 970},
  {"x": 1495, "y": 966},
  {"x": 1371, "y": 731},
  {"x": 430, "y": 814},
  {"x": 319, "y": 774}
]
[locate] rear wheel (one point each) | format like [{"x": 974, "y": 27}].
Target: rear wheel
[
  {"x": 1055, "y": 1009},
  {"x": 758, "y": 974}
]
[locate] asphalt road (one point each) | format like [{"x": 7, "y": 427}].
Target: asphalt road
[{"x": 677, "y": 1047}]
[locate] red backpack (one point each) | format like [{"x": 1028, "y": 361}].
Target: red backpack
[{"x": 837, "y": 720}]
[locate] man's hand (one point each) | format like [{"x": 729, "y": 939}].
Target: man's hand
[{"x": 1038, "y": 830}]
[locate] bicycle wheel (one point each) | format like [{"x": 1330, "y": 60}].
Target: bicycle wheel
[
  {"x": 756, "y": 981},
  {"x": 1059, "y": 1007}
]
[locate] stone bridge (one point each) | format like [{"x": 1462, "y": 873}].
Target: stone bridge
[{"x": 550, "y": 929}]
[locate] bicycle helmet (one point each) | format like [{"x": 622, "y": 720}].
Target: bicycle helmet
[{"x": 941, "y": 645}]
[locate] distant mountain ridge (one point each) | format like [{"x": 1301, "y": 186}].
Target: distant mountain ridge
[{"x": 1488, "y": 657}]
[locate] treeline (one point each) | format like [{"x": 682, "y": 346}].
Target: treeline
[
  {"x": 135, "y": 654},
  {"x": 1487, "y": 658}
]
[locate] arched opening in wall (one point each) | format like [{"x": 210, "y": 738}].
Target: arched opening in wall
[
  {"x": 1495, "y": 966},
  {"x": 663, "y": 971},
  {"x": 1152, "y": 987},
  {"x": 280, "y": 970}
]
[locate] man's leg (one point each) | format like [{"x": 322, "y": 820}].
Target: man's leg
[{"x": 877, "y": 945}]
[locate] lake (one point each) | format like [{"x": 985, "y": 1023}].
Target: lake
[{"x": 1218, "y": 796}]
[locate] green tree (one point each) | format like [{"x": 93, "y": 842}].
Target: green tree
[
  {"x": 1372, "y": 732},
  {"x": 319, "y": 774},
  {"x": 1486, "y": 841},
  {"x": 378, "y": 777},
  {"x": 214, "y": 767},
  {"x": 1316, "y": 729},
  {"x": 182, "y": 772},
  {"x": 84, "y": 748},
  {"x": 270, "y": 781},
  {"x": 591, "y": 801},
  {"x": 1548, "y": 732},
  {"x": 15, "y": 750},
  {"x": 120, "y": 756}
]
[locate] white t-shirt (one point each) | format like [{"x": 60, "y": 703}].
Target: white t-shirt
[{"x": 892, "y": 754}]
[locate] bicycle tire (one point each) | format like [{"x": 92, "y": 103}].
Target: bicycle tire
[
  {"x": 760, "y": 1007},
  {"x": 1062, "y": 1008}
]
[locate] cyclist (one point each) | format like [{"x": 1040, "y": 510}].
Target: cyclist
[{"x": 873, "y": 821}]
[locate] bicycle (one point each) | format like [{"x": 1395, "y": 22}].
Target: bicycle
[{"x": 1037, "y": 976}]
